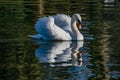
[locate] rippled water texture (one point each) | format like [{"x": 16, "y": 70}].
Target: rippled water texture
[{"x": 95, "y": 58}]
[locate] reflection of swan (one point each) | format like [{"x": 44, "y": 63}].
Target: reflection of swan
[
  {"x": 59, "y": 27},
  {"x": 59, "y": 52},
  {"x": 77, "y": 54},
  {"x": 49, "y": 52}
]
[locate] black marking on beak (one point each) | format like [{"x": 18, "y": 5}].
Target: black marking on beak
[{"x": 79, "y": 21}]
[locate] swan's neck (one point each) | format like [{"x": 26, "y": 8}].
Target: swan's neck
[{"x": 76, "y": 35}]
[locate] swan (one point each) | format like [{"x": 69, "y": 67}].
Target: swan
[{"x": 58, "y": 27}]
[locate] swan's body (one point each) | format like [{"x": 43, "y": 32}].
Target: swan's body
[{"x": 59, "y": 27}]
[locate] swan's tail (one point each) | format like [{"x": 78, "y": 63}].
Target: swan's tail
[{"x": 37, "y": 36}]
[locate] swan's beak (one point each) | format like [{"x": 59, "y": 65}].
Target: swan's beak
[{"x": 79, "y": 26}]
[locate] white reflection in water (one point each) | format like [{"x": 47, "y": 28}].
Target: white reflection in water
[
  {"x": 109, "y": 1},
  {"x": 51, "y": 51},
  {"x": 71, "y": 54},
  {"x": 67, "y": 53}
]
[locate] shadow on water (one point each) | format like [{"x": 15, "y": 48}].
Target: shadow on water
[{"x": 96, "y": 58}]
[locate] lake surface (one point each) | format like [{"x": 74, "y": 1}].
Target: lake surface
[{"x": 22, "y": 58}]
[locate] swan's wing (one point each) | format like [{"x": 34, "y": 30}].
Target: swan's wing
[
  {"x": 44, "y": 25},
  {"x": 38, "y": 36},
  {"x": 63, "y": 21},
  {"x": 47, "y": 28}
]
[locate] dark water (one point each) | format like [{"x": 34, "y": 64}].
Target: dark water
[{"x": 22, "y": 58}]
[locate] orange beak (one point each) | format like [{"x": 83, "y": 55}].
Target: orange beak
[{"x": 79, "y": 26}]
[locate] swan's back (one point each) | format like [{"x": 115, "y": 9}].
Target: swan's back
[
  {"x": 53, "y": 27},
  {"x": 44, "y": 26},
  {"x": 63, "y": 21}
]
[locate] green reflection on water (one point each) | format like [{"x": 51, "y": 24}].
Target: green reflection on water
[
  {"x": 105, "y": 49},
  {"x": 18, "y": 61},
  {"x": 17, "y": 18}
]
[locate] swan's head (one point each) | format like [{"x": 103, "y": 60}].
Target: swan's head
[{"x": 77, "y": 18}]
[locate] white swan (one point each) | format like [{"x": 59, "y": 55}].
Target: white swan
[{"x": 59, "y": 27}]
